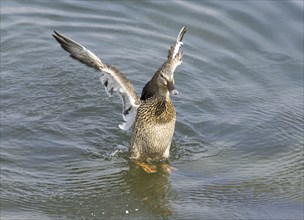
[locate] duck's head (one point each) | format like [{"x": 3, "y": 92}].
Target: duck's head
[{"x": 165, "y": 82}]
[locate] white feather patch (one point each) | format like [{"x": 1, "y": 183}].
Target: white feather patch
[{"x": 129, "y": 109}]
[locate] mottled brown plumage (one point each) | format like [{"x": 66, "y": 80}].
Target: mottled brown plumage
[{"x": 153, "y": 130}]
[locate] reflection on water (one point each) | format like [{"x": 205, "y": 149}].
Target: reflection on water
[
  {"x": 92, "y": 190},
  {"x": 153, "y": 190}
]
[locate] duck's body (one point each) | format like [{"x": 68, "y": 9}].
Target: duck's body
[
  {"x": 152, "y": 115},
  {"x": 153, "y": 130}
]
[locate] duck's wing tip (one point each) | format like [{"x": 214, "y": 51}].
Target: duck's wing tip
[
  {"x": 174, "y": 52},
  {"x": 78, "y": 52},
  {"x": 181, "y": 34},
  {"x": 175, "y": 56}
]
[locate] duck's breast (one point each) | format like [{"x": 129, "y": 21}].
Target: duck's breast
[{"x": 152, "y": 132}]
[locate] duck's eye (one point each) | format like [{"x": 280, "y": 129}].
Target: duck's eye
[{"x": 161, "y": 75}]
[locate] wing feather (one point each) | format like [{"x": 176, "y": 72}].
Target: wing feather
[{"x": 112, "y": 79}]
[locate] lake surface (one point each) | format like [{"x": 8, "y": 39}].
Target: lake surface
[{"x": 238, "y": 143}]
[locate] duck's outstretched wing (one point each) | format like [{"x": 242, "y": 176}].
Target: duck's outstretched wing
[
  {"x": 175, "y": 56},
  {"x": 174, "y": 59},
  {"x": 112, "y": 79}
]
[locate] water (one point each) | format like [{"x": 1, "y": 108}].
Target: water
[{"x": 238, "y": 144}]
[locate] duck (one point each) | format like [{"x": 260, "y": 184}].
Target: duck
[{"x": 152, "y": 116}]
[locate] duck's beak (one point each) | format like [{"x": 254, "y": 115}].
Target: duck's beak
[{"x": 172, "y": 89}]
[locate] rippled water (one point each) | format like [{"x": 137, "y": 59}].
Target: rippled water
[{"x": 238, "y": 144}]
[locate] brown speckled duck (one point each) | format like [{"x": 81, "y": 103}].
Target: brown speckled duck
[{"x": 152, "y": 115}]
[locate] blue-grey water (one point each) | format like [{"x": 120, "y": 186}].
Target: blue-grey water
[{"x": 238, "y": 143}]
